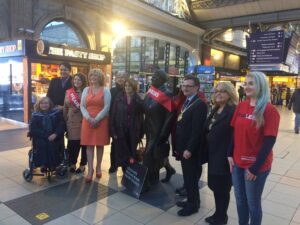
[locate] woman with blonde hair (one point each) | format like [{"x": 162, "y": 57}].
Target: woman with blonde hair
[
  {"x": 218, "y": 137},
  {"x": 95, "y": 104},
  {"x": 255, "y": 126}
]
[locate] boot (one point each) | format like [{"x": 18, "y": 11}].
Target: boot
[{"x": 170, "y": 172}]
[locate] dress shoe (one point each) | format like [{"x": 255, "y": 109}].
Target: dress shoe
[
  {"x": 181, "y": 191},
  {"x": 112, "y": 169},
  {"x": 214, "y": 220},
  {"x": 187, "y": 211},
  {"x": 181, "y": 204},
  {"x": 72, "y": 169},
  {"x": 81, "y": 169},
  {"x": 296, "y": 131},
  {"x": 170, "y": 173},
  {"x": 43, "y": 169}
]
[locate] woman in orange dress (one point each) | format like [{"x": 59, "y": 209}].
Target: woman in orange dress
[{"x": 95, "y": 104}]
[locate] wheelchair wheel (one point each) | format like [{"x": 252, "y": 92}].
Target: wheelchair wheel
[{"x": 27, "y": 175}]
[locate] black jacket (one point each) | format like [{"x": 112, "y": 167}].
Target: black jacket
[
  {"x": 295, "y": 101},
  {"x": 218, "y": 140},
  {"x": 189, "y": 129},
  {"x": 127, "y": 137},
  {"x": 56, "y": 91}
]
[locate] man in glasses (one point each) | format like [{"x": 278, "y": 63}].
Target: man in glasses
[{"x": 189, "y": 129}]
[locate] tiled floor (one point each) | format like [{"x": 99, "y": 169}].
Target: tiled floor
[{"x": 281, "y": 197}]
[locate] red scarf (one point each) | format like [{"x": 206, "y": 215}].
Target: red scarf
[
  {"x": 73, "y": 98},
  {"x": 160, "y": 97}
]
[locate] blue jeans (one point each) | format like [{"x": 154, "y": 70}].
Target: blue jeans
[
  {"x": 297, "y": 121},
  {"x": 248, "y": 196}
]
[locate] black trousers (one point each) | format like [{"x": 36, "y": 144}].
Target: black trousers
[
  {"x": 73, "y": 150},
  {"x": 221, "y": 186},
  {"x": 191, "y": 173}
]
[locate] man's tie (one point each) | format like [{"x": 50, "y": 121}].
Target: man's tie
[{"x": 186, "y": 103}]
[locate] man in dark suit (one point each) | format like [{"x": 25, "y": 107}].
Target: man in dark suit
[
  {"x": 189, "y": 128},
  {"x": 59, "y": 85}
]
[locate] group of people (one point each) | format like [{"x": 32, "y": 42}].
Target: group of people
[{"x": 235, "y": 139}]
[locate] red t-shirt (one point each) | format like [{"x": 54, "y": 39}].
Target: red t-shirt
[{"x": 248, "y": 139}]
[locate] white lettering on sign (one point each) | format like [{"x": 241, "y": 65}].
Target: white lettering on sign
[
  {"x": 76, "y": 54},
  {"x": 8, "y": 48},
  {"x": 95, "y": 56},
  {"x": 56, "y": 51}
]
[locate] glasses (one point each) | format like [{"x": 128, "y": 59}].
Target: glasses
[
  {"x": 220, "y": 91},
  {"x": 187, "y": 86}
]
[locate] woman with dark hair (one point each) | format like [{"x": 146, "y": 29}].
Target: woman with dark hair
[
  {"x": 218, "y": 136},
  {"x": 59, "y": 85},
  {"x": 95, "y": 103},
  {"x": 73, "y": 119},
  {"x": 126, "y": 122},
  {"x": 255, "y": 126}
]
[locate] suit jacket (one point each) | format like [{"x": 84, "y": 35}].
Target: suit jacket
[
  {"x": 218, "y": 140},
  {"x": 56, "y": 91},
  {"x": 189, "y": 129}
]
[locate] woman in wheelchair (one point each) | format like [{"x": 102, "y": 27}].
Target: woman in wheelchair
[{"x": 47, "y": 128}]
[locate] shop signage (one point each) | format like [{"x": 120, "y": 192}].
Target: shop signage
[
  {"x": 44, "y": 49},
  {"x": 12, "y": 48},
  {"x": 205, "y": 69},
  {"x": 266, "y": 47}
]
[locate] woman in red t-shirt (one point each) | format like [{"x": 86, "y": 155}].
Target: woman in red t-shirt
[{"x": 255, "y": 123}]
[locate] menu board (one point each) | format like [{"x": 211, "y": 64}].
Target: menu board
[{"x": 266, "y": 47}]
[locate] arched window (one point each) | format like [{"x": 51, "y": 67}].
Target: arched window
[{"x": 63, "y": 33}]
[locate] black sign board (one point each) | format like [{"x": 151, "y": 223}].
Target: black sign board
[
  {"x": 65, "y": 53},
  {"x": 266, "y": 47},
  {"x": 134, "y": 178}
]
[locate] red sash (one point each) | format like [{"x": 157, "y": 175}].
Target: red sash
[
  {"x": 160, "y": 97},
  {"x": 73, "y": 98}
]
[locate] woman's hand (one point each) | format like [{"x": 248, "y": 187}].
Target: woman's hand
[
  {"x": 93, "y": 123},
  {"x": 250, "y": 176},
  {"x": 52, "y": 137},
  {"x": 131, "y": 160},
  {"x": 186, "y": 154},
  {"x": 231, "y": 163}
]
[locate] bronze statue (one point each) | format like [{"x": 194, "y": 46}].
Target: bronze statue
[{"x": 159, "y": 119}]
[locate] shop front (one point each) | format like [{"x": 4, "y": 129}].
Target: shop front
[{"x": 26, "y": 68}]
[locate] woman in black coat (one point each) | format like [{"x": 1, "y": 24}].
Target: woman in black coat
[
  {"x": 218, "y": 137},
  {"x": 47, "y": 129},
  {"x": 126, "y": 122}
]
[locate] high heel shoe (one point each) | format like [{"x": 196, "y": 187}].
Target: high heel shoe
[
  {"x": 99, "y": 175},
  {"x": 89, "y": 179}
]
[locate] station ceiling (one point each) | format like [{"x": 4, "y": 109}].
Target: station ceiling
[{"x": 236, "y": 13}]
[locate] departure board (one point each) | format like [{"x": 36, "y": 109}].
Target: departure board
[{"x": 266, "y": 47}]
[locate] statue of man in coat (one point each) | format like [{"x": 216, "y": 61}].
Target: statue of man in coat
[{"x": 159, "y": 119}]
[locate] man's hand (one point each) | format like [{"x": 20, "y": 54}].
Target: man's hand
[
  {"x": 186, "y": 154},
  {"x": 52, "y": 137}
]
